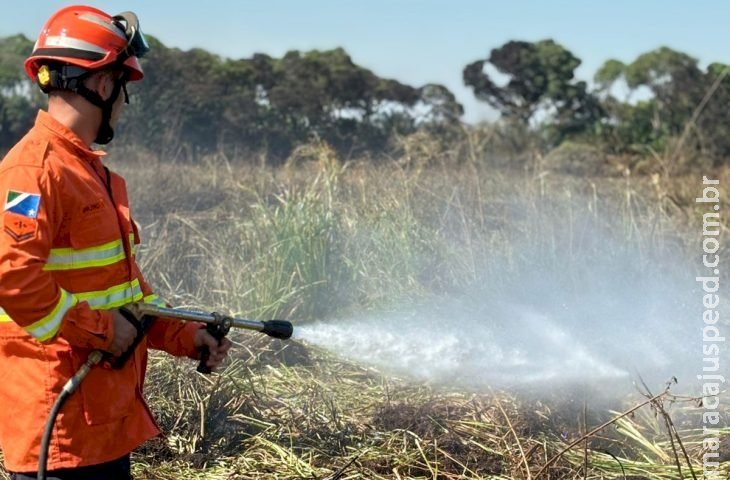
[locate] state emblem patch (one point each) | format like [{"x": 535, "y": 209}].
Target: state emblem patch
[{"x": 20, "y": 214}]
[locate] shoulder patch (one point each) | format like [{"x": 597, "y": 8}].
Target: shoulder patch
[
  {"x": 19, "y": 227},
  {"x": 25, "y": 204},
  {"x": 20, "y": 214}
]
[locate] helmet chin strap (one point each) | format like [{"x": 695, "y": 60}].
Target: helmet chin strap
[
  {"x": 71, "y": 78},
  {"x": 105, "y": 134}
]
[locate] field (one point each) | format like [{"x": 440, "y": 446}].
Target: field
[{"x": 322, "y": 240}]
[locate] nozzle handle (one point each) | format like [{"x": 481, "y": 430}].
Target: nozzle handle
[
  {"x": 218, "y": 331},
  {"x": 278, "y": 329}
]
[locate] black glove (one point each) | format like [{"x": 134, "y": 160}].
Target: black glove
[{"x": 141, "y": 324}]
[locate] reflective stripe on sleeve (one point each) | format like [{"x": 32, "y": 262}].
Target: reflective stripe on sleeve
[
  {"x": 48, "y": 326},
  {"x": 71, "y": 259},
  {"x": 154, "y": 300},
  {"x": 113, "y": 297},
  {"x": 132, "y": 246}
]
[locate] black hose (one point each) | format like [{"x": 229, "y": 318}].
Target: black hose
[
  {"x": 70, "y": 386},
  {"x": 46, "y": 441}
]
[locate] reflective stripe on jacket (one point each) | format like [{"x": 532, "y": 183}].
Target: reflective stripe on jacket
[{"x": 67, "y": 257}]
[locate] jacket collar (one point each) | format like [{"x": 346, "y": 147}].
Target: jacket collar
[{"x": 66, "y": 136}]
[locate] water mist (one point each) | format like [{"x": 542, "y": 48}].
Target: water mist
[{"x": 594, "y": 308}]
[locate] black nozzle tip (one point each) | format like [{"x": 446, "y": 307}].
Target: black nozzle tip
[{"x": 278, "y": 329}]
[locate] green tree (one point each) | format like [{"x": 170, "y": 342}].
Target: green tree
[
  {"x": 606, "y": 76},
  {"x": 194, "y": 101},
  {"x": 713, "y": 128},
  {"x": 536, "y": 73},
  {"x": 539, "y": 78},
  {"x": 266, "y": 103},
  {"x": 178, "y": 102},
  {"x": 675, "y": 109},
  {"x": 441, "y": 103},
  {"x": 327, "y": 94},
  {"x": 675, "y": 80},
  {"x": 19, "y": 97}
]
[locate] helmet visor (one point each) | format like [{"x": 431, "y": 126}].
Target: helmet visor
[{"x": 137, "y": 45}]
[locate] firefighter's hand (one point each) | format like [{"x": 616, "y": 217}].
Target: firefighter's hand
[
  {"x": 124, "y": 334},
  {"x": 218, "y": 353}
]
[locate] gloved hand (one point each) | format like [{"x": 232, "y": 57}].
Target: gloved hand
[
  {"x": 124, "y": 333},
  {"x": 218, "y": 353}
]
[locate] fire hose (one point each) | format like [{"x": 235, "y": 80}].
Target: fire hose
[{"x": 142, "y": 315}]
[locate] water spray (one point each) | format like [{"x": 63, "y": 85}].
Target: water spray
[{"x": 476, "y": 341}]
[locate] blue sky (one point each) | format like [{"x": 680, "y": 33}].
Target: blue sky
[{"x": 418, "y": 42}]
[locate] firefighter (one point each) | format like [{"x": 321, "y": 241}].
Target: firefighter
[{"x": 67, "y": 262}]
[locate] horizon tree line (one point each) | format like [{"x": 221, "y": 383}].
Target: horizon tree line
[{"x": 201, "y": 102}]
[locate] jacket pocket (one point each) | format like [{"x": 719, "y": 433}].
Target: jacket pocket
[
  {"x": 25, "y": 392},
  {"x": 94, "y": 230},
  {"x": 96, "y": 257},
  {"x": 108, "y": 395}
]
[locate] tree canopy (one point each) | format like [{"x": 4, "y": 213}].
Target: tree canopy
[
  {"x": 198, "y": 102},
  {"x": 676, "y": 106},
  {"x": 540, "y": 78}
]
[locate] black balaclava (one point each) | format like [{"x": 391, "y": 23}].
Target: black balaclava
[{"x": 68, "y": 77}]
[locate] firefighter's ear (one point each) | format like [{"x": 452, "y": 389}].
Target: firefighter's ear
[
  {"x": 101, "y": 82},
  {"x": 106, "y": 86}
]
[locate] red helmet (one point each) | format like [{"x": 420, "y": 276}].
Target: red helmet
[{"x": 90, "y": 39}]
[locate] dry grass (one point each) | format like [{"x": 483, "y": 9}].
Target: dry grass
[
  {"x": 308, "y": 415},
  {"x": 318, "y": 239}
]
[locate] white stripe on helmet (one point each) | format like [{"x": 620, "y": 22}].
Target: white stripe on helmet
[
  {"x": 103, "y": 23},
  {"x": 69, "y": 42}
]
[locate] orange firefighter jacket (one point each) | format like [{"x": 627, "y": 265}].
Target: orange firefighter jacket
[{"x": 67, "y": 256}]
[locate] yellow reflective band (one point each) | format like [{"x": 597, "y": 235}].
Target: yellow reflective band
[
  {"x": 71, "y": 259},
  {"x": 48, "y": 326},
  {"x": 113, "y": 297},
  {"x": 132, "y": 246},
  {"x": 154, "y": 300}
]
